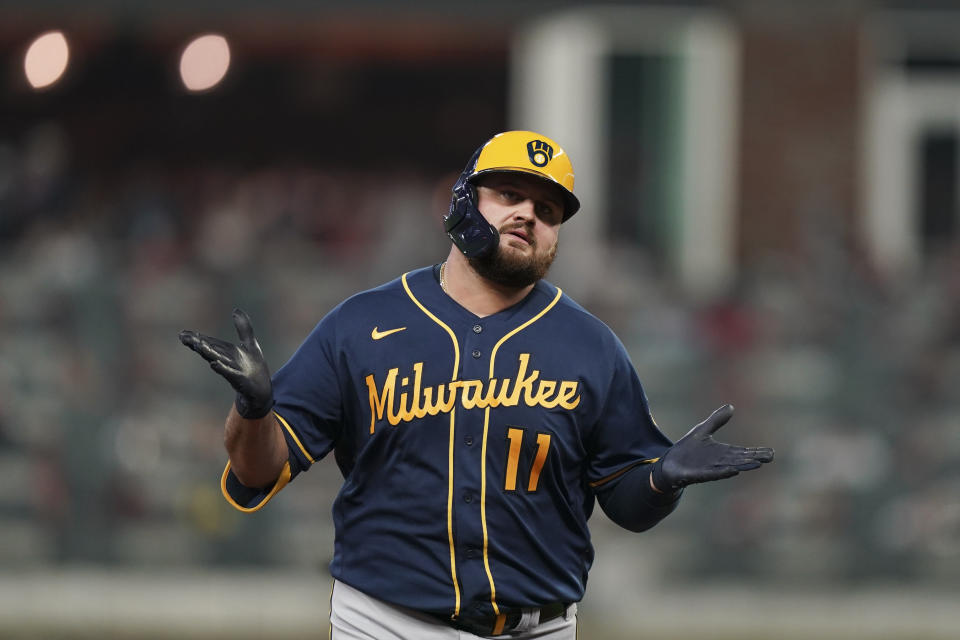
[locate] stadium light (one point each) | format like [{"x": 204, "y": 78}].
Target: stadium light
[
  {"x": 46, "y": 59},
  {"x": 204, "y": 62}
]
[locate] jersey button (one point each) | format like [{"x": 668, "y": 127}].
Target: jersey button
[
  {"x": 477, "y": 328},
  {"x": 468, "y": 497},
  {"x": 476, "y": 353},
  {"x": 469, "y": 441}
]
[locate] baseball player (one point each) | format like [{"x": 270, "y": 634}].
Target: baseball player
[{"x": 476, "y": 413}]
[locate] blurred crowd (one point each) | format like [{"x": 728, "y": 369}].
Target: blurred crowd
[{"x": 110, "y": 431}]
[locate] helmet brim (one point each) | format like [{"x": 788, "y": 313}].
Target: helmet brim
[{"x": 571, "y": 204}]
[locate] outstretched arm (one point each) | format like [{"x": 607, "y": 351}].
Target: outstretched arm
[
  {"x": 647, "y": 494},
  {"x": 253, "y": 438}
]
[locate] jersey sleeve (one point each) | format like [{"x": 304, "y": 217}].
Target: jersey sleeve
[
  {"x": 307, "y": 392},
  {"x": 625, "y": 434},
  {"x": 308, "y": 409}
]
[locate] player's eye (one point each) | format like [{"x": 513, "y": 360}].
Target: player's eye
[{"x": 547, "y": 211}]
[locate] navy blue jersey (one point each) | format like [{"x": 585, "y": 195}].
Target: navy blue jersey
[{"x": 470, "y": 447}]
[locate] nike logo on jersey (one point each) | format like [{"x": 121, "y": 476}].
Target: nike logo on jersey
[
  {"x": 376, "y": 335},
  {"x": 406, "y": 401}
]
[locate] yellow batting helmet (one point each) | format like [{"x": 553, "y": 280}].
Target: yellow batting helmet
[{"x": 532, "y": 153}]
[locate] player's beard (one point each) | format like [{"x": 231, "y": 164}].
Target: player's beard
[{"x": 513, "y": 269}]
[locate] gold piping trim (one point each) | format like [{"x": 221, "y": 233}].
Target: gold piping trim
[
  {"x": 333, "y": 583},
  {"x": 617, "y": 474},
  {"x": 483, "y": 455},
  {"x": 456, "y": 368},
  {"x": 499, "y": 624},
  {"x": 294, "y": 436}
]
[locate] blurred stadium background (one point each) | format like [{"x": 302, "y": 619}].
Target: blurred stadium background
[{"x": 771, "y": 218}]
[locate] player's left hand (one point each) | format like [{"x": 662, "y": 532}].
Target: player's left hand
[{"x": 697, "y": 457}]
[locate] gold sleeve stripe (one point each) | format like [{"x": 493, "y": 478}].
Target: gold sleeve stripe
[
  {"x": 614, "y": 476},
  {"x": 293, "y": 435},
  {"x": 281, "y": 482},
  {"x": 483, "y": 453},
  {"x": 452, "y": 436}
]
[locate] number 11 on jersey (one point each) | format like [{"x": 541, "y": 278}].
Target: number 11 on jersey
[{"x": 515, "y": 437}]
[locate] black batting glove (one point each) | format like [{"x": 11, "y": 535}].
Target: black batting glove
[
  {"x": 241, "y": 364},
  {"x": 697, "y": 457}
]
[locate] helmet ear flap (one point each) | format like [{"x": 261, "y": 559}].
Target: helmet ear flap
[
  {"x": 466, "y": 226},
  {"x": 464, "y": 223},
  {"x": 464, "y": 196}
]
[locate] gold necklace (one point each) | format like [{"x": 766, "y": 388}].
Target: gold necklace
[{"x": 443, "y": 282}]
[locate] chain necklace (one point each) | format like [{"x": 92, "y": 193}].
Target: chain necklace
[{"x": 443, "y": 281}]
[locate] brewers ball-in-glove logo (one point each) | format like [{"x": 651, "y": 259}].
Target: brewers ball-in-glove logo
[{"x": 539, "y": 152}]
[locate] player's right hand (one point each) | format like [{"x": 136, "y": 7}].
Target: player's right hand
[{"x": 242, "y": 365}]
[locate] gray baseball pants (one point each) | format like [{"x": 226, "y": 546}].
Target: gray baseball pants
[{"x": 356, "y": 616}]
